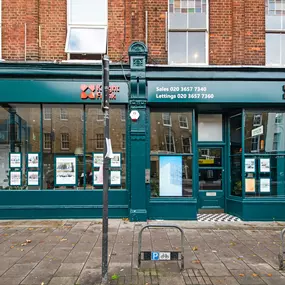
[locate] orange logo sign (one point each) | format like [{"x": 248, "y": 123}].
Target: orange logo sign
[{"x": 95, "y": 91}]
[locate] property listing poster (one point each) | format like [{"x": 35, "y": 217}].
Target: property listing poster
[
  {"x": 249, "y": 165},
  {"x": 170, "y": 175},
  {"x": 264, "y": 165},
  {"x": 33, "y": 160},
  {"x": 15, "y": 160},
  {"x": 33, "y": 178},
  {"x": 65, "y": 171},
  {"x": 265, "y": 185},
  {"x": 15, "y": 178}
]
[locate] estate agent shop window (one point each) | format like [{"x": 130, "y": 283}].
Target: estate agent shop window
[
  {"x": 264, "y": 153},
  {"x": 60, "y": 154},
  {"x": 171, "y": 154}
]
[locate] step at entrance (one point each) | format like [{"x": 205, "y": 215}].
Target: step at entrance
[{"x": 217, "y": 218}]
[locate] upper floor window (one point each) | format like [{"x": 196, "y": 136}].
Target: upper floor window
[
  {"x": 257, "y": 120},
  {"x": 183, "y": 122},
  {"x": 47, "y": 140},
  {"x": 166, "y": 118},
  {"x": 123, "y": 115},
  {"x": 99, "y": 141},
  {"x": 86, "y": 28},
  {"x": 188, "y": 32},
  {"x": 63, "y": 114},
  {"x": 276, "y": 141},
  {"x": 278, "y": 118},
  {"x": 275, "y": 32},
  {"x": 169, "y": 142},
  {"x": 47, "y": 113},
  {"x": 100, "y": 115},
  {"x": 65, "y": 141}
]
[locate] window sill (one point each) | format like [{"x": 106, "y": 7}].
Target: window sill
[
  {"x": 173, "y": 200},
  {"x": 80, "y": 61}
]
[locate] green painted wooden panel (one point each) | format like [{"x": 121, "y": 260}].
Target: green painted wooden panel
[
  {"x": 215, "y": 92},
  {"x": 61, "y": 213},
  {"x": 54, "y": 91},
  {"x": 263, "y": 210},
  {"x": 55, "y": 204},
  {"x": 235, "y": 207},
  {"x": 173, "y": 210},
  {"x": 215, "y": 202}
]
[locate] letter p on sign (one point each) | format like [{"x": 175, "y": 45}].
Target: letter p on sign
[{"x": 155, "y": 255}]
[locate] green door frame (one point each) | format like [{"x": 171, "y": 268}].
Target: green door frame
[
  {"x": 223, "y": 167},
  {"x": 214, "y": 144}
]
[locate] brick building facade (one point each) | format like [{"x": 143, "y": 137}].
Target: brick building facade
[{"x": 36, "y": 30}]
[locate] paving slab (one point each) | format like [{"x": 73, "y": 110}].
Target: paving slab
[
  {"x": 63, "y": 281},
  {"x": 68, "y": 252},
  {"x": 216, "y": 269},
  {"x": 69, "y": 269},
  {"x": 10, "y": 280},
  {"x": 224, "y": 281},
  {"x": 276, "y": 280}
]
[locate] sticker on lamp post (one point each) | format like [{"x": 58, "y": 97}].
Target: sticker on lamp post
[{"x": 134, "y": 115}]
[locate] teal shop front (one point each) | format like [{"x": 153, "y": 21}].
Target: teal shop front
[
  {"x": 51, "y": 141},
  {"x": 217, "y": 142},
  {"x": 207, "y": 139}
]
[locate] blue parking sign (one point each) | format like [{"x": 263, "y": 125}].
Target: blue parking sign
[{"x": 154, "y": 255}]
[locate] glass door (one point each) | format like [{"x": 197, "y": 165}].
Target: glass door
[{"x": 211, "y": 177}]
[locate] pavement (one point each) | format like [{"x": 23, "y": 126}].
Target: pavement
[{"x": 68, "y": 252}]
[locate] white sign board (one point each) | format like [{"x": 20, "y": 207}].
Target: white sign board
[
  {"x": 213, "y": 194},
  {"x": 257, "y": 131},
  {"x": 170, "y": 176}
]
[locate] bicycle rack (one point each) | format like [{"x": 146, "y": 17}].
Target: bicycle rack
[
  {"x": 282, "y": 251},
  {"x": 160, "y": 256}
]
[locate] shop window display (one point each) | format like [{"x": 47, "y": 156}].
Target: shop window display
[
  {"x": 264, "y": 153},
  {"x": 51, "y": 147},
  {"x": 171, "y": 154},
  {"x": 19, "y": 136}
]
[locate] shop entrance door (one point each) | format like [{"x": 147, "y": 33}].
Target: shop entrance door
[{"x": 211, "y": 177}]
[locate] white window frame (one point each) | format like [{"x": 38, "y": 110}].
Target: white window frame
[
  {"x": 277, "y": 142},
  {"x": 166, "y": 143},
  {"x": 123, "y": 141},
  {"x": 100, "y": 141},
  {"x": 82, "y": 24},
  {"x": 179, "y": 118},
  {"x": 63, "y": 115},
  {"x": 123, "y": 115},
  {"x": 50, "y": 141},
  {"x": 190, "y": 30},
  {"x": 170, "y": 121},
  {"x": 253, "y": 122},
  {"x": 274, "y": 31},
  {"x": 79, "y": 24},
  {"x": 190, "y": 146},
  {"x": 279, "y": 118},
  {"x": 100, "y": 115},
  {"x": 82, "y": 115},
  {"x": 44, "y": 111},
  {"x": 63, "y": 140},
  {"x": 258, "y": 144}
]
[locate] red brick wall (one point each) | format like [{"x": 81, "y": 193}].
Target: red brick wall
[
  {"x": 236, "y": 30},
  {"x": 15, "y": 14},
  {"x": 254, "y": 51},
  {"x": 156, "y": 31},
  {"x": 53, "y": 17},
  {"x": 49, "y": 14},
  {"x": 220, "y": 32}
]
